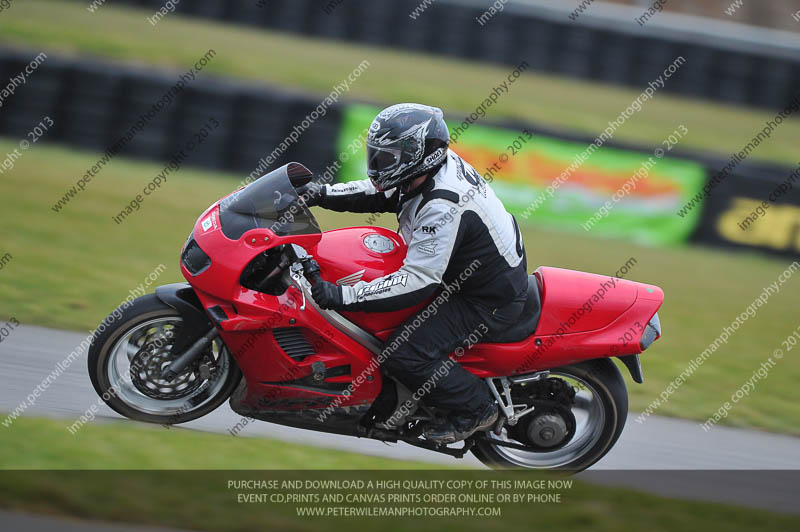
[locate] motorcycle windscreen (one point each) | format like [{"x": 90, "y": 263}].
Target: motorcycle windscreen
[{"x": 270, "y": 202}]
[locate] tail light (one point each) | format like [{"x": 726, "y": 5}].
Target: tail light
[{"x": 652, "y": 332}]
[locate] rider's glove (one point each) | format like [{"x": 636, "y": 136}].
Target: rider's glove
[
  {"x": 311, "y": 194},
  {"x": 327, "y": 295}
]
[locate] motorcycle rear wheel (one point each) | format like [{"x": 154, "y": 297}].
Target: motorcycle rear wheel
[{"x": 600, "y": 410}]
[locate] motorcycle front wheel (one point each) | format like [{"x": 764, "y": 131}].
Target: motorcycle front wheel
[
  {"x": 570, "y": 437},
  {"x": 126, "y": 360}
]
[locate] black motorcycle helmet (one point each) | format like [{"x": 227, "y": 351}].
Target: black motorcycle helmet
[{"x": 405, "y": 141}]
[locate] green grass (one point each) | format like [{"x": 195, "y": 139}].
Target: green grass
[
  {"x": 70, "y": 269},
  {"x": 35, "y": 443},
  {"x": 201, "y": 500},
  {"x": 315, "y": 66}
]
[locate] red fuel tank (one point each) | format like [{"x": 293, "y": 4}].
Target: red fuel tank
[{"x": 354, "y": 254}]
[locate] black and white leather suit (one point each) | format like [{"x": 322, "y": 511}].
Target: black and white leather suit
[{"x": 461, "y": 239}]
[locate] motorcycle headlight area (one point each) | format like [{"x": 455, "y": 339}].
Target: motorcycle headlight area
[{"x": 194, "y": 258}]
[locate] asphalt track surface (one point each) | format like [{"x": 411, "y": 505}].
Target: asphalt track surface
[{"x": 662, "y": 455}]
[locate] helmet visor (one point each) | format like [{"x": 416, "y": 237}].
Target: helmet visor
[{"x": 382, "y": 159}]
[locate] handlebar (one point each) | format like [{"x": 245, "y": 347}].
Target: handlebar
[
  {"x": 311, "y": 270},
  {"x": 310, "y": 267}
]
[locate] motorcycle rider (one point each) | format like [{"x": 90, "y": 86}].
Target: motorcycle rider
[{"x": 453, "y": 224}]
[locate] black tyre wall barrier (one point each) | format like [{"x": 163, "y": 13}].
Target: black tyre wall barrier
[
  {"x": 623, "y": 54},
  {"x": 94, "y": 104}
]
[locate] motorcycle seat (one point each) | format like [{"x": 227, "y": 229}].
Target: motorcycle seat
[{"x": 527, "y": 321}]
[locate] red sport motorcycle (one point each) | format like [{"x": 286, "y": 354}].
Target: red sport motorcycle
[{"x": 245, "y": 327}]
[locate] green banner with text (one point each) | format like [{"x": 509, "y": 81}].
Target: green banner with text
[{"x": 564, "y": 184}]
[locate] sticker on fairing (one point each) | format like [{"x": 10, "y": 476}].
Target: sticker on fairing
[{"x": 350, "y": 280}]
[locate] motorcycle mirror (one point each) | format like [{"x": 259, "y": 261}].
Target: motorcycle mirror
[{"x": 298, "y": 174}]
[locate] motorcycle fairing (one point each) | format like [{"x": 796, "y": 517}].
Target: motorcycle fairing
[{"x": 340, "y": 374}]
